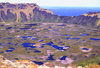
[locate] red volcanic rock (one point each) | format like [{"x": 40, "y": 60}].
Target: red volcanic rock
[{"x": 49, "y": 64}]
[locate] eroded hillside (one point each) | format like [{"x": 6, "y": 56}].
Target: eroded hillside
[
  {"x": 92, "y": 14},
  {"x": 31, "y": 12},
  {"x": 14, "y": 12}
]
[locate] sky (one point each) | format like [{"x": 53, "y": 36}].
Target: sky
[{"x": 78, "y": 3}]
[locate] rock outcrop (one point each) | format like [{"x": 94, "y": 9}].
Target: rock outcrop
[
  {"x": 31, "y": 12},
  {"x": 5, "y": 63},
  {"x": 19, "y": 12},
  {"x": 92, "y": 14}
]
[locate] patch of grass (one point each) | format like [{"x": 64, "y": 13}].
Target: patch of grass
[
  {"x": 83, "y": 64},
  {"x": 59, "y": 54},
  {"x": 88, "y": 62},
  {"x": 98, "y": 58}
]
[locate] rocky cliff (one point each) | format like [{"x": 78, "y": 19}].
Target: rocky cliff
[
  {"x": 92, "y": 14},
  {"x": 19, "y": 12},
  {"x": 30, "y": 12}
]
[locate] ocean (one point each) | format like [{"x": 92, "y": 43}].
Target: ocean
[{"x": 72, "y": 11}]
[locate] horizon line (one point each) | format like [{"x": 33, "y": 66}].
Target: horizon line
[{"x": 49, "y": 6}]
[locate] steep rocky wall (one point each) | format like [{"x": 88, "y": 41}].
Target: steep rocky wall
[
  {"x": 31, "y": 12},
  {"x": 14, "y": 12},
  {"x": 92, "y": 14}
]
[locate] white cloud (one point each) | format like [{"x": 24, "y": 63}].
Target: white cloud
[{"x": 88, "y": 3}]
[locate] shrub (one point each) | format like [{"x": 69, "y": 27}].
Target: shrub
[
  {"x": 58, "y": 18},
  {"x": 98, "y": 58},
  {"x": 88, "y": 24},
  {"x": 98, "y": 22},
  {"x": 10, "y": 20},
  {"x": 83, "y": 64},
  {"x": 20, "y": 19}
]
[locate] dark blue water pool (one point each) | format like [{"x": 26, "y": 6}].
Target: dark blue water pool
[
  {"x": 50, "y": 57},
  {"x": 72, "y": 38},
  {"x": 63, "y": 58},
  {"x": 9, "y": 50},
  {"x": 85, "y": 49},
  {"x": 9, "y": 28},
  {"x": 61, "y": 25},
  {"x": 42, "y": 45},
  {"x": 9, "y": 38},
  {"x": 37, "y": 51},
  {"x": 57, "y": 47},
  {"x": 1, "y": 52},
  {"x": 0, "y": 43},
  {"x": 65, "y": 35},
  {"x": 95, "y": 39},
  {"x": 67, "y": 38},
  {"x": 67, "y": 46},
  {"x": 54, "y": 46},
  {"x": 37, "y": 62},
  {"x": 29, "y": 36},
  {"x": 34, "y": 39},
  {"x": 41, "y": 40},
  {"x": 29, "y": 45},
  {"x": 9, "y": 43},
  {"x": 24, "y": 28},
  {"x": 84, "y": 34},
  {"x": 24, "y": 37},
  {"x": 56, "y": 29},
  {"x": 50, "y": 43}
]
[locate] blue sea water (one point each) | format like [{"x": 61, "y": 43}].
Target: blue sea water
[{"x": 72, "y": 11}]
